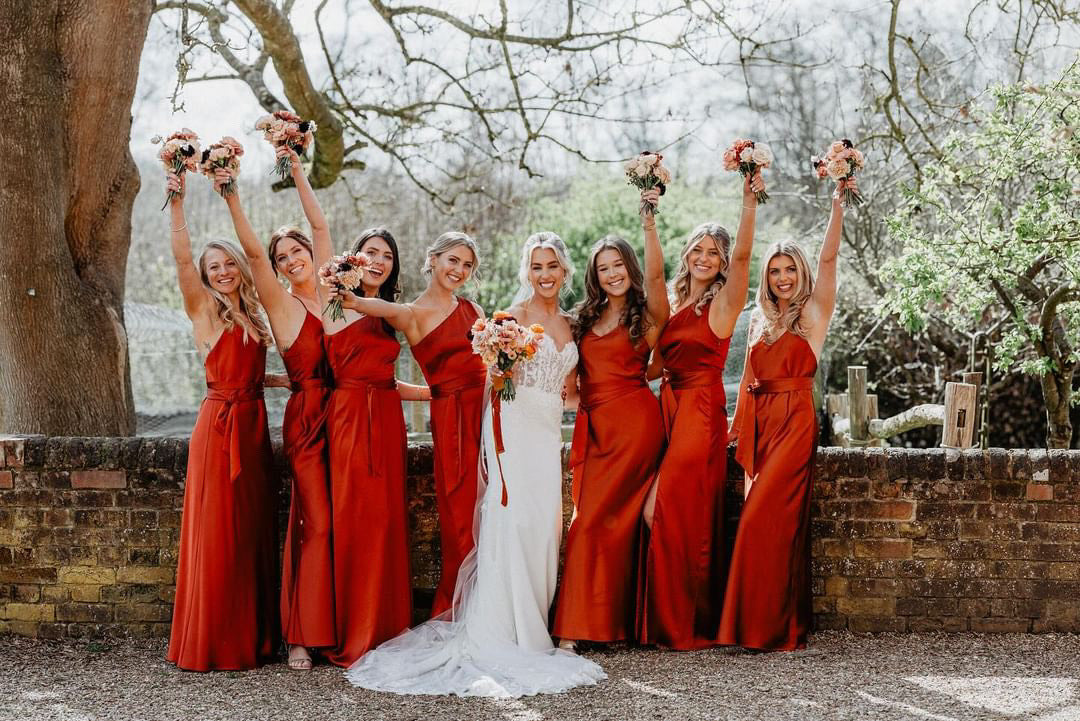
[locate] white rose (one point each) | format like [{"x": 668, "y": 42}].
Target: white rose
[
  {"x": 762, "y": 155},
  {"x": 642, "y": 169},
  {"x": 747, "y": 155}
]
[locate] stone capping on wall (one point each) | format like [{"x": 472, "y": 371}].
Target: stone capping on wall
[{"x": 902, "y": 540}]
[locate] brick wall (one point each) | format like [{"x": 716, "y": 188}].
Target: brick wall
[{"x": 903, "y": 540}]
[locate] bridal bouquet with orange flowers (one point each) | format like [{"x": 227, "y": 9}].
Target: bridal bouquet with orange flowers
[
  {"x": 647, "y": 171},
  {"x": 748, "y": 157},
  {"x": 840, "y": 164},
  {"x": 286, "y": 129},
  {"x": 345, "y": 272},
  {"x": 502, "y": 343},
  {"x": 180, "y": 153},
  {"x": 225, "y": 153}
]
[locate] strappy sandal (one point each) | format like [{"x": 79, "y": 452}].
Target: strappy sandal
[{"x": 299, "y": 663}]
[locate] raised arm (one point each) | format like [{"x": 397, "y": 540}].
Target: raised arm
[
  {"x": 320, "y": 229},
  {"x": 191, "y": 287},
  {"x": 824, "y": 295},
  {"x": 656, "y": 300},
  {"x": 741, "y": 399},
  {"x": 723, "y": 315},
  {"x": 272, "y": 294}
]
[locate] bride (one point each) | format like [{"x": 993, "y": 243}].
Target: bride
[{"x": 494, "y": 641}]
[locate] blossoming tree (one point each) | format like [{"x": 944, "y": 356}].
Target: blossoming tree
[{"x": 991, "y": 239}]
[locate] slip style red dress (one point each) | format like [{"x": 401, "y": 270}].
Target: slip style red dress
[
  {"x": 307, "y": 583},
  {"x": 618, "y": 439},
  {"x": 225, "y": 616},
  {"x": 456, "y": 377},
  {"x": 768, "y": 602},
  {"x": 686, "y": 563},
  {"x": 365, "y": 431}
]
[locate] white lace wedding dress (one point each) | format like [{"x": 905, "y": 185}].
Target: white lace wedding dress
[{"x": 495, "y": 640}]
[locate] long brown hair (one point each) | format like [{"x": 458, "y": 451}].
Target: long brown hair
[
  {"x": 249, "y": 305},
  {"x": 680, "y": 286},
  {"x": 588, "y": 311}
]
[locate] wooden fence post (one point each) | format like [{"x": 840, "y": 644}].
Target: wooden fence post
[
  {"x": 959, "y": 428},
  {"x": 857, "y": 410}
]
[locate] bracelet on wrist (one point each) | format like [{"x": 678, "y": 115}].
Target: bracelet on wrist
[{"x": 177, "y": 230}]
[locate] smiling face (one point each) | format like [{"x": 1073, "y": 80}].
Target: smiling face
[
  {"x": 546, "y": 274},
  {"x": 293, "y": 260},
  {"x": 704, "y": 260},
  {"x": 783, "y": 276},
  {"x": 382, "y": 262},
  {"x": 221, "y": 271},
  {"x": 611, "y": 272},
  {"x": 451, "y": 268}
]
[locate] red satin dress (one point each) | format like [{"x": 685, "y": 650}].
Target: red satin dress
[
  {"x": 618, "y": 439},
  {"x": 307, "y": 583},
  {"x": 686, "y": 563},
  {"x": 365, "y": 430},
  {"x": 767, "y": 604},
  {"x": 456, "y": 377},
  {"x": 225, "y": 616}
]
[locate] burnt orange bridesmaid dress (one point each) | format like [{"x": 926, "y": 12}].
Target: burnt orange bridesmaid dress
[
  {"x": 767, "y": 605},
  {"x": 365, "y": 431},
  {"x": 225, "y": 616},
  {"x": 618, "y": 439},
  {"x": 307, "y": 583},
  {"x": 456, "y": 377},
  {"x": 686, "y": 562}
]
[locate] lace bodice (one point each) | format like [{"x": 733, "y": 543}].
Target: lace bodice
[{"x": 547, "y": 370}]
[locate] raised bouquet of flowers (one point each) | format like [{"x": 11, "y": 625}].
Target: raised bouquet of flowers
[
  {"x": 747, "y": 157},
  {"x": 225, "y": 153},
  {"x": 345, "y": 272},
  {"x": 841, "y": 163},
  {"x": 283, "y": 128},
  {"x": 502, "y": 343},
  {"x": 180, "y": 153},
  {"x": 646, "y": 171}
]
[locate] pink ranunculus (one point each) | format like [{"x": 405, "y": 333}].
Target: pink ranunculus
[
  {"x": 859, "y": 158},
  {"x": 836, "y": 148},
  {"x": 838, "y": 168},
  {"x": 731, "y": 161}
]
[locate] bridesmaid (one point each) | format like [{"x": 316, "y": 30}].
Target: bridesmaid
[
  {"x": 307, "y": 588},
  {"x": 437, "y": 326},
  {"x": 225, "y": 616},
  {"x": 618, "y": 439},
  {"x": 686, "y": 561},
  {"x": 767, "y": 604}
]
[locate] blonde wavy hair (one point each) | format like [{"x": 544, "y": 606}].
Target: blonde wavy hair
[
  {"x": 249, "y": 304},
  {"x": 680, "y": 285},
  {"x": 448, "y": 241},
  {"x": 767, "y": 321}
]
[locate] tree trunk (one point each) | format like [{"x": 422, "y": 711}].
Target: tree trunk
[
  {"x": 66, "y": 191},
  {"x": 1057, "y": 393}
]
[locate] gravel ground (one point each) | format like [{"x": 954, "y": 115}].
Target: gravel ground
[{"x": 938, "y": 677}]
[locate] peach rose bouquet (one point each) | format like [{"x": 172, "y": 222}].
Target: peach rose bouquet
[
  {"x": 284, "y": 128},
  {"x": 225, "y": 153},
  {"x": 179, "y": 153},
  {"x": 841, "y": 163},
  {"x": 502, "y": 343},
  {"x": 747, "y": 157},
  {"x": 345, "y": 272},
  {"x": 646, "y": 171}
]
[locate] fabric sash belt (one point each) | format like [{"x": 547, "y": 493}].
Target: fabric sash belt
[
  {"x": 225, "y": 421},
  {"x": 309, "y": 384},
  {"x": 451, "y": 390},
  {"x": 593, "y": 395},
  {"x": 369, "y": 386},
  {"x": 745, "y": 450},
  {"x": 683, "y": 381}
]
